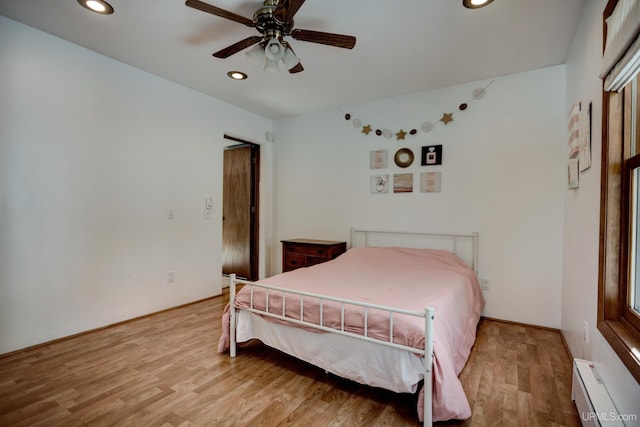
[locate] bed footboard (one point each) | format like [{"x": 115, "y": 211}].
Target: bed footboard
[{"x": 427, "y": 315}]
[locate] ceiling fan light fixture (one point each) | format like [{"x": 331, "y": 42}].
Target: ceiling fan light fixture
[
  {"x": 475, "y": 4},
  {"x": 271, "y": 65},
  {"x": 290, "y": 59},
  {"x": 256, "y": 55},
  {"x": 98, "y": 6},
  {"x": 274, "y": 50}
]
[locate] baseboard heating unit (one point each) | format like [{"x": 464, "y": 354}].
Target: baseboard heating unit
[{"x": 595, "y": 407}]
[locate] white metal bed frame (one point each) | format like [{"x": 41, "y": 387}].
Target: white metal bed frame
[{"x": 427, "y": 315}]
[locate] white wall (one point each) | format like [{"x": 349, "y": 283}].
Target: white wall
[
  {"x": 503, "y": 175},
  {"x": 93, "y": 154},
  {"x": 582, "y": 221}
]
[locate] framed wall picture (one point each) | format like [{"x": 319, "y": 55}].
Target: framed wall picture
[
  {"x": 431, "y": 155},
  {"x": 379, "y": 184},
  {"x": 378, "y": 159},
  {"x": 574, "y": 175},
  {"x": 584, "y": 144},
  {"x": 403, "y": 158},
  {"x": 403, "y": 183},
  {"x": 573, "y": 130},
  {"x": 430, "y": 182}
]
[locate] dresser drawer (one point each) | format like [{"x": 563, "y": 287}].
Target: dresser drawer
[
  {"x": 313, "y": 250},
  {"x": 298, "y": 253},
  {"x": 293, "y": 261},
  {"x": 313, "y": 260}
]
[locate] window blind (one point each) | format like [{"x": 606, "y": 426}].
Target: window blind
[{"x": 621, "y": 59}]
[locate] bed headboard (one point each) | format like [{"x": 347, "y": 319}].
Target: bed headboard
[{"x": 465, "y": 246}]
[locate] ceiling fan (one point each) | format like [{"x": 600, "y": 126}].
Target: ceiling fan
[{"x": 274, "y": 21}]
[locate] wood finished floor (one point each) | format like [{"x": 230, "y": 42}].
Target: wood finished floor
[{"x": 163, "y": 370}]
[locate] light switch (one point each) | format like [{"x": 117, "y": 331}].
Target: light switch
[{"x": 208, "y": 207}]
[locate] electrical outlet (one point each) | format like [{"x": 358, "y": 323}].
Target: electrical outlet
[
  {"x": 484, "y": 284},
  {"x": 169, "y": 276},
  {"x": 585, "y": 334}
]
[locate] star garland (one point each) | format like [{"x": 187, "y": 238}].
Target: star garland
[{"x": 447, "y": 118}]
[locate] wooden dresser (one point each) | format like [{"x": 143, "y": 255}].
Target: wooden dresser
[{"x": 298, "y": 253}]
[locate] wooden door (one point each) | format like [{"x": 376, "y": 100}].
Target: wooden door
[{"x": 239, "y": 212}]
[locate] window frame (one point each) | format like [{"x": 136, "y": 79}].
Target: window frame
[
  {"x": 619, "y": 325},
  {"x": 629, "y": 165}
]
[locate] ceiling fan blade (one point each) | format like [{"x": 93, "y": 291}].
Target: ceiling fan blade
[
  {"x": 205, "y": 7},
  {"x": 237, "y": 47},
  {"x": 338, "y": 40},
  {"x": 285, "y": 9},
  {"x": 297, "y": 68}
]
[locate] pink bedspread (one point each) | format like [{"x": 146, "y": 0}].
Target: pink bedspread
[{"x": 404, "y": 278}]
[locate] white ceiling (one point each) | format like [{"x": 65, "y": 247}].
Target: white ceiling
[{"x": 402, "y": 46}]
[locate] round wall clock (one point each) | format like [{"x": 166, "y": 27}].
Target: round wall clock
[{"x": 403, "y": 157}]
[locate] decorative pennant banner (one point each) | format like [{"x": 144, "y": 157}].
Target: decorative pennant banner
[{"x": 426, "y": 126}]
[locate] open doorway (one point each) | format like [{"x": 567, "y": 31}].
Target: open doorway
[{"x": 240, "y": 209}]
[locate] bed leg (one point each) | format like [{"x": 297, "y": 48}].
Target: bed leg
[
  {"x": 232, "y": 315},
  {"x": 428, "y": 366}
]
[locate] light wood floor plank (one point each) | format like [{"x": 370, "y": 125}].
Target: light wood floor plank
[{"x": 164, "y": 370}]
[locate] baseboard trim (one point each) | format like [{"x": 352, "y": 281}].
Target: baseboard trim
[
  {"x": 546, "y": 328},
  {"x": 111, "y": 325}
]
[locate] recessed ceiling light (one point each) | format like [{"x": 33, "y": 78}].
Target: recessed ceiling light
[
  {"x": 237, "y": 75},
  {"x": 475, "y": 4},
  {"x": 98, "y": 6}
]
